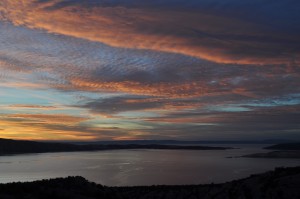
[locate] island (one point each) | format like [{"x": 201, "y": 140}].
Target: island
[
  {"x": 282, "y": 183},
  {"x": 8, "y": 147},
  {"x": 285, "y": 146},
  {"x": 286, "y": 150}
]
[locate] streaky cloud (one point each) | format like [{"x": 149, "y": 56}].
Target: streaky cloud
[{"x": 206, "y": 35}]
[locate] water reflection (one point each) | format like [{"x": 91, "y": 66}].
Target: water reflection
[{"x": 139, "y": 167}]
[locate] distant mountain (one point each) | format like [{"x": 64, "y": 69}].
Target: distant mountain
[
  {"x": 283, "y": 183},
  {"x": 286, "y": 146},
  {"x": 8, "y": 146}
]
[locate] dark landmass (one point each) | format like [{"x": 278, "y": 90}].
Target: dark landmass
[
  {"x": 8, "y": 146},
  {"x": 285, "y": 150},
  {"x": 282, "y": 183},
  {"x": 275, "y": 154},
  {"x": 285, "y": 146}
]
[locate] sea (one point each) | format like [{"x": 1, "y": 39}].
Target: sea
[{"x": 142, "y": 167}]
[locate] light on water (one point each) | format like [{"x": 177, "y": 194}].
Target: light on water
[{"x": 140, "y": 167}]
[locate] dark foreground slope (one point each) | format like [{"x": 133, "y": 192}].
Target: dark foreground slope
[
  {"x": 8, "y": 146},
  {"x": 283, "y": 183}
]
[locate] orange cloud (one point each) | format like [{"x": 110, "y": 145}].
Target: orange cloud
[
  {"x": 53, "y": 127},
  {"x": 50, "y": 118},
  {"x": 17, "y": 127},
  {"x": 211, "y": 37},
  {"x": 180, "y": 90}
]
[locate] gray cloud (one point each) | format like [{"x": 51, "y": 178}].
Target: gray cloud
[
  {"x": 216, "y": 31},
  {"x": 72, "y": 64}
]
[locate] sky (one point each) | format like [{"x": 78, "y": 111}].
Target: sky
[{"x": 140, "y": 69}]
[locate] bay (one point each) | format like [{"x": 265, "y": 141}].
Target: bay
[{"x": 141, "y": 167}]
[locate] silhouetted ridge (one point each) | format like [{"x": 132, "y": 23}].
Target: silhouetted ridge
[
  {"x": 8, "y": 146},
  {"x": 285, "y": 146},
  {"x": 19, "y": 146}
]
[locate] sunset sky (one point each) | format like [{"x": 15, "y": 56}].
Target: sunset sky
[{"x": 141, "y": 69}]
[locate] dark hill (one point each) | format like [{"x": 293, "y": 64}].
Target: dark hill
[
  {"x": 8, "y": 146},
  {"x": 283, "y": 183},
  {"x": 19, "y": 147}
]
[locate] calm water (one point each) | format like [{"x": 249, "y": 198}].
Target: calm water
[{"x": 140, "y": 167}]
